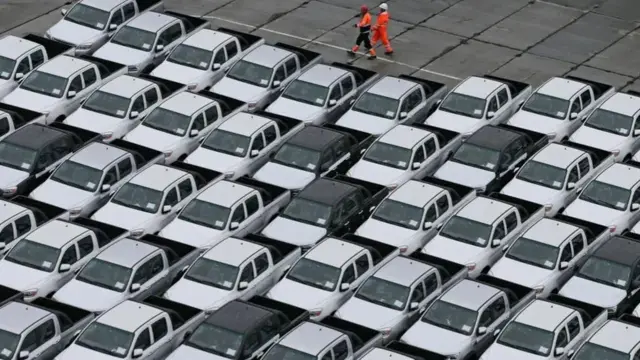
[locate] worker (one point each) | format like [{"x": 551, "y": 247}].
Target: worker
[
  {"x": 380, "y": 29},
  {"x": 363, "y": 37}
]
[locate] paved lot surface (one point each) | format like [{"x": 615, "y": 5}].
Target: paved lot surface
[{"x": 443, "y": 40}]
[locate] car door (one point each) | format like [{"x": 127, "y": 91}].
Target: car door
[
  {"x": 219, "y": 66},
  {"x": 410, "y": 106},
  {"x": 499, "y": 233},
  {"x": 492, "y": 107},
  {"x": 255, "y": 220},
  {"x": 24, "y": 67},
  {"x": 504, "y": 111},
  {"x": 150, "y": 275},
  {"x": 248, "y": 275},
  {"x": 419, "y": 296},
  {"x": 40, "y": 340},
  {"x": 258, "y": 144},
  {"x": 431, "y": 163},
  {"x": 161, "y": 341},
  {"x": 279, "y": 75},
  {"x": 363, "y": 266},
  {"x": 335, "y": 94},
  {"x": 172, "y": 199},
  {"x": 152, "y": 99},
  {"x": 585, "y": 174},
  {"x": 566, "y": 255},
  {"x": 349, "y": 91},
  {"x": 633, "y": 216},
  {"x": 291, "y": 66},
  {"x": 70, "y": 257},
  {"x": 493, "y": 316},
  {"x": 45, "y": 164},
  {"x": 561, "y": 341},
  {"x": 269, "y": 334},
  {"x": 73, "y": 95},
  {"x": 7, "y": 235},
  {"x": 265, "y": 279},
  {"x": 340, "y": 153},
  {"x": 419, "y": 159},
  {"x": 142, "y": 342},
  {"x": 169, "y": 38}
]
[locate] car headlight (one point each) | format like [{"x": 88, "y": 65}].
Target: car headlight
[
  {"x": 9, "y": 191},
  {"x": 385, "y": 332},
  {"x": 613, "y": 309},
  {"x": 252, "y": 105},
  {"x": 538, "y": 289},
  {"x": 615, "y": 152},
  {"x": 137, "y": 232},
  {"x": 403, "y": 249},
  {"x": 548, "y": 207},
  {"x": 315, "y": 312},
  {"x": 30, "y": 293},
  {"x": 75, "y": 211},
  {"x": 84, "y": 47},
  {"x": 470, "y": 266},
  {"x": 480, "y": 189},
  {"x": 229, "y": 174},
  {"x": 551, "y": 135},
  {"x": 167, "y": 153},
  {"x": 192, "y": 86},
  {"x": 107, "y": 135},
  {"x": 392, "y": 186},
  {"x": 132, "y": 68}
]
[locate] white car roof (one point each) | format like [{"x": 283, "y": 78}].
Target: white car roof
[
  {"x": 550, "y": 231},
  {"x": 378, "y": 353},
  {"x": 478, "y": 87},
  {"x": 98, "y": 155},
  {"x": 404, "y": 136},
  {"x": 391, "y": 87},
  {"x": 484, "y": 210},
  {"x": 310, "y": 338},
  {"x": 157, "y": 177},
  {"x": 129, "y": 315},
  {"x": 617, "y": 335},
  {"x": 333, "y": 252},
  {"x": 224, "y": 193},
  {"x": 321, "y": 74},
  {"x": 543, "y": 314},
  {"x": 186, "y": 103},
  {"x": 402, "y": 270},
  {"x": 207, "y": 39},
  {"x": 63, "y": 66},
  {"x": 469, "y": 294},
  {"x": 126, "y": 252},
  {"x": 416, "y": 193},
  {"x": 622, "y": 103},
  {"x": 16, "y": 317},
  {"x": 102, "y": 4},
  {"x": 561, "y": 88},
  {"x": 151, "y": 21},
  {"x": 9, "y": 209},
  {"x": 232, "y": 251},
  {"x": 244, "y": 123},
  {"x": 266, "y": 55},
  {"x": 126, "y": 86},
  {"x": 12, "y": 46},
  {"x": 621, "y": 175},
  {"x": 558, "y": 155},
  {"x": 56, "y": 233}
]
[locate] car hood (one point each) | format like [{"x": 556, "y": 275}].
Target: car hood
[
  {"x": 238, "y": 90},
  {"x": 500, "y": 352},
  {"x": 433, "y": 338},
  {"x": 453, "y": 122},
  {"x": 187, "y": 352},
  {"x": 295, "y": 109},
  {"x": 464, "y": 174},
  {"x": 178, "y": 73},
  {"x": 597, "y": 138},
  {"x": 122, "y": 216},
  {"x": 592, "y": 292},
  {"x": 593, "y": 212},
  {"x": 530, "y": 191},
  {"x": 24, "y": 277},
  {"x": 300, "y": 295},
  {"x": 73, "y": 33},
  {"x": 75, "y": 352},
  {"x": 6, "y": 86},
  {"x": 360, "y": 312},
  {"x": 197, "y": 295},
  {"x": 452, "y": 250},
  {"x": 60, "y": 195},
  {"x": 89, "y": 297},
  {"x": 520, "y": 273},
  {"x": 535, "y": 122},
  {"x": 364, "y": 122},
  {"x": 151, "y": 138},
  {"x": 385, "y": 232},
  {"x": 121, "y": 54},
  {"x": 284, "y": 176},
  {"x": 93, "y": 121},
  {"x": 375, "y": 173},
  {"x": 11, "y": 177},
  {"x": 30, "y": 100},
  {"x": 213, "y": 160},
  {"x": 191, "y": 234},
  {"x": 293, "y": 232}
]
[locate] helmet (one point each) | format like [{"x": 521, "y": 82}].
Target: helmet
[
  {"x": 384, "y": 6},
  {"x": 364, "y": 9}
]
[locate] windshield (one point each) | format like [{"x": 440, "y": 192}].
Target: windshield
[
  {"x": 106, "y": 339},
  {"x": 206, "y": 214},
  {"x": 105, "y": 274},
  {"x": 88, "y": 16},
  {"x": 279, "y": 352},
  {"x": 477, "y": 156},
  {"x": 308, "y": 211},
  {"x": 607, "y": 195},
  {"x": 389, "y": 155},
  {"x": 467, "y": 231},
  {"x": 134, "y": 38},
  {"x": 315, "y": 274},
  {"x": 377, "y": 105},
  {"x": 590, "y": 351},
  {"x": 227, "y": 142},
  {"x": 610, "y": 121},
  {"x": 8, "y": 344},
  {"x": 17, "y": 157},
  {"x": 534, "y": 253},
  {"x": 297, "y": 157},
  {"x": 306, "y": 92},
  {"x": 398, "y": 213},
  {"x": 34, "y": 255},
  {"x": 213, "y": 273},
  {"x": 543, "y": 174},
  {"x": 451, "y": 317},
  {"x": 191, "y": 56},
  {"x": 464, "y": 105},
  {"x": 77, "y": 175},
  {"x": 384, "y": 293},
  {"x": 547, "y": 105},
  {"x": 107, "y": 104},
  {"x": 606, "y": 272},
  {"x": 251, "y": 73},
  {"x": 138, "y": 197},
  {"x": 6, "y": 67},
  {"x": 45, "y": 84},
  {"x": 168, "y": 121},
  {"x": 527, "y": 338},
  {"x": 215, "y": 340}
]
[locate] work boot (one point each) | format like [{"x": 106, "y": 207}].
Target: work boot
[
  {"x": 371, "y": 57},
  {"x": 351, "y": 52},
  {"x": 388, "y": 52}
]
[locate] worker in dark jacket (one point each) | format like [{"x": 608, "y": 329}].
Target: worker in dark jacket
[{"x": 365, "y": 29}]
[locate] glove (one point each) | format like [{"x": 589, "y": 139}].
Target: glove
[{"x": 356, "y": 25}]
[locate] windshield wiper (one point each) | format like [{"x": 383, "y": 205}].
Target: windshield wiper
[
  {"x": 444, "y": 326},
  {"x": 203, "y": 282},
  {"x": 455, "y": 112},
  {"x": 69, "y": 183},
  {"x": 310, "y": 283},
  {"x": 529, "y": 262},
  {"x": 374, "y": 301}
]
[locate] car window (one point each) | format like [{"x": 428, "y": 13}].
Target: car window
[
  {"x": 232, "y": 49},
  {"x": 430, "y": 283},
  {"x": 443, "y": 204},
  {"x": 585, "y": 97},
  {"x": 129, "y": 11},
  {"x": 340, "y": 351},
  {"x": 574, "y": 327},
  {"x": 418, "y": 293},
  {"x": 185, "y": 188},
  {"x": 174, "y": 33},
  {"x": 503, "y": 97},
  {"x": 152, "y": 96},
  {"x": 111, "y": 177},
  {"x": 155, "y": 266},
  {"x": 566, "y": 255},
  {"x": 270, "y": 328},
  {"x": 262, "y": 263},
  {"x": 486, "y": 318},
  {"x": 220, "y": 57},
  {"x": 349, "y": 275},
  {"x": 493, "y": 104},
  {"x": 247, "y": 273},
  {"x": 258, "y": 143},
  {"x": 46, "y": 331},
  {"x": 583, "y": 166},
  {"x": 498, "y": 307},
  {"x": 430, "y": 146},
  {"x": 291, "y": 67},
  {"x": 362, "y": 264},
  {"x": 347, "y": 84},
  {"x": 578, "y": 244},
  {"x": 148, "y": 270},
  {"x": 143, "y": 341},
  {"x": 511, "y": 221},
  {"x": 90, "y": 77},
  {"x": 270, "y": 134},
  {"x": 23, "y": 67},
  {"x": 85, "y": 246},
  {"x": 563, "y": 339},
  {"x": 4, "y": 126},
  {"x": 76, "y": 84},
  {"x": 70, "y": 256},
  {"x": 350, "y": 204},
  {"x": 575, "y": 106},
  {"x": 23, "y": 225},
  {"x": 238, "y": 215},
  {"x": 253, "y": 205},
  {"x": 125, "y": 167},
  {"x": 6, "y": 235},
  {"x": 138, "y": 104},
  {"x": 327, "y": 356},
  {"x": 117, "y": 18},
  {"x": 419, "y": 156},
  {"x": 573, "y": 175},
  {"x": 159, "y": 329},
  {"x": 251, "y": 344},
  {"x": 37, "y": 58},
  {"x": 211, "y": 114},
  {"x": 636, "y": 196},
  {"x": 280, "y": 74},
  {"x": 341, "y": 147},
  {"x": 336, "y": 93},
  {"x": 172, "y": 197},
  {"x": 498, "y": 232},
  {"x": 198, "y": 122},
  {"x": 432, "y": 215},
  {"x": 30, "y": 341},
  {"x": 414, "y": 99},
  {"x": 62, "y": 147}
]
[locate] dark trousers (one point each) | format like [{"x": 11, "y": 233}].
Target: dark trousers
[{"x": 364, "y": 37}]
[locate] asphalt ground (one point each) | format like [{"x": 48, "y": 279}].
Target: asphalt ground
[{"x": 442, "y": 40}]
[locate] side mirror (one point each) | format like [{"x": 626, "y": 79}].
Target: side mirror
[
  {"x": 254, "y": 153},
  {"x": 491, "y": 114},
  {"x": 482, "y": 330},
  {"x": 64, "y": 268},
  {"x": 2, "y": 246},
  {"x": 439, "y": 226},
  {"x": 496, "y": 332},
  {"x": 635, "y": 206},
  {"x": 559, "y": 351},
  {"x": 19, "y": 76},
  {"x": 159, "y": 48},
  {"x": 24, "y": 355},
  {"x": 416, "y": 165},
  {"x": 63, "y": 12},
  {"x": 166, "y": 209},
  {"x": 635, "y": 133},
  {"x": 573, "y": 116},
  {"x": 371, "y": 209},
  {"x": 216, "y": 66},
  {"x": 520, "y": 103},
  {"x": 234, "y": 225},
  {"x": 439, "y": 102},
  {"x": 243, "y": 285},
  {"x": 496, "y": 242},
  {"x": 134, "y": 115},
  {"x": 276, "y": 83},
  {"x": 105, "y": 188},
  {"x": 414, "y": 305},
  {"x": 571, "y": 186},
  {"x": 71, "y": 94},
  {"x": 403, "y": 115},
  {"x": 516, "y": 169},
  {"x": 352, "y": 101},
  {"x": 505, "y": 248},
  {"x": 570, "y": 353},
  {"x": 427, "y": 225},
  {"x": 113, "y": 26},
  {"x": 333, "y": 102},
  {"x": 135, "y": 287},
  {"x": 635, "y": 283},
  {"x": 344, "y": 286},
  {"x": 563, "y": 265},
  {"x": 137, "y": 353},
  {"x": 194, "y": 132}
]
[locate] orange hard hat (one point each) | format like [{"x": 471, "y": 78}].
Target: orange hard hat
[{"x": 364, "y": 8}]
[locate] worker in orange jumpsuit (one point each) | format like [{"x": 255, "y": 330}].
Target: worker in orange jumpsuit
[
  {"x": 365, "y": 29},
  {"x": 380, "y": 29}
]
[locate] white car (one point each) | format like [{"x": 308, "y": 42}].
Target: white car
[{"x": 616, "y": 339}]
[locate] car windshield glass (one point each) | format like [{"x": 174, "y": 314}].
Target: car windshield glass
[
  {"x": 464, "y": 105},
  {"x": 17, "y": 157},
  {"x": 45, "y": 84},
  {"x": 191, "y": 56},
  {"x": 377, "y": 105},
  {"x": 591, "y": 351},
  {"x": 547, "y": 106},
  {"x": 138, "y": 197},
  {"x": 215, "y": 340},
  {"x": 213, "y": 273},
  {"x": 467, "y": 231},
  {"x": 308, "y": 211},
  {"x": 610, "y": 121},
  {"x": 297, "y": 157},
  {"x": 107, "y": 104},
  {"x": 314, "y": 273},
  {"x": 477, "y": 156},
  {"x": 168, "y": 121},
  {"x": 251, "y": 73},
  {"x": 384, "y": 293},
  {"x": 227, "y": 142},
  {"x": 206, "y": 214},
  {"x": 533, "y": 253},
  {"x": 106, "y": 339},
  {"x": 77, "y": 175},
  {"x": 134, "y": 38},
  {"x": 451, "y": 317},
  {"x": 8, "y": 344},
  {"x": 607, "y": 195},
  {"x": 399, "y": 213},
  {"x": 389, "y": 155},
  {"x": 606, "y": 272},
  {"x": 88, "y": 16},
  {"x": 6, "y": 67},
  {"x": 527, "y": 338},
  {"x": 34, "y": 255},
  {"x": 543, "y": 174},
  {"x": 279, "y": 352},
  {"x": 105, "y": 274},
  {"x": 306, "y": 92}
]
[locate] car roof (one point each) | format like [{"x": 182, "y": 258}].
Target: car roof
[
  {"x": 232, "y": 251},
  {"x": 186, "y": 103},
  {"x": 126, "y": 252},
  {"x": 151, "y": 21},
  {"x": 98, "y": 155},
  {"x": 102, "y": 4},
  {"x": 483, "y": 209},
  {"x": 315, "y": 137},
  {"x": 207, "y": 39},
  {"x": 238, "y": 316},
  {"x": 63, "y": 66},
  {"x": 617, "y": 335},
  {"x": 544, "y": 314},
  {"x": 379, "y": 353},
  {"x": 493, "y": 137},
  {"x": 266, "y": 55},
  {"x": 404, "y": 136},
  {"x": 561, "y": 88},
  {"x": 402, "y": 270},
  {"x": 244, "y": 123},
  {"x": 391, "y": 87},
  {"x": 158, "y": 177},
  {"x": 469, "y": 294},
  {"x": 622, "y": 103},
  {"x": 621, "y": 175},
  {"x": 558, "y": 155},
  {"x": 9, "y": 209},
  {"x": 129, "y": 315},
  {"x": 323, "y": 75},
  {"x": 478, "y": 87},
  {"x": 620, "y": 249},
  {"x": 334, "y": 252},
  {"x": 550, "y": 231},
  {"x": 327, "y": 191},
  {"x": 126, "y": 86},
  {"x": 34, "y": 136},
  {"x": 416, "y": 193},
  {"x": 224, "y": 193},
  {"x": 12, "y": 46},
  {"x": 16, "y": 317},
  {"x": 310, "y": 337},
  {"x": 56, "y": 233}
]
